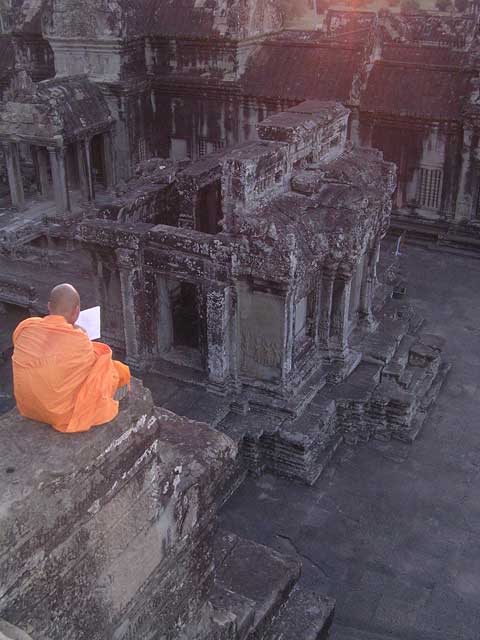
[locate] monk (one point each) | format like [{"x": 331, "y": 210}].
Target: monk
[{"x": 60, "y": 376}]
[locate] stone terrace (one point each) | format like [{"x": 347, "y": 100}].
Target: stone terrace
[{"x": 391, "y": 530}]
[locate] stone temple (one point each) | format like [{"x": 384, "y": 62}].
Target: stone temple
[{"x": 220, "y": 185}]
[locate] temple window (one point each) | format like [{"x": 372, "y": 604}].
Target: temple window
[
  {"x": 142, "y": 150},
  {"x": 429, "y": 187},
  {"x": 206, "y": 147}
]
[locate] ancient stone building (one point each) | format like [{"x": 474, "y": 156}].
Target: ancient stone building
[
  {"x": 212, "y": 182},
  {"x": 189, "y": 81},
  {"x": 251, "y": 273}
]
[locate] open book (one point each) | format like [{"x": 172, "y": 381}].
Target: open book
[{"x": 90, "y": 321}]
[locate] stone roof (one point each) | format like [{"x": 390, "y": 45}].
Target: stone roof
[
  {"x": 333, "y": 206},
  {"x": 302, "y": 72},
  {"x": 423, "y": 92},
  {"x": 69, "y": 108},
  {"x": 166, "y": 18},
  {"x": 231, "y": 18},
  {"x": 424, "y": 55}
]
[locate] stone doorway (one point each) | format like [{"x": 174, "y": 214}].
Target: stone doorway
[
  {"x": 185, "y": 316},
  {"x": 209, "y": 208},
  {"x": 180, "y": 323}
]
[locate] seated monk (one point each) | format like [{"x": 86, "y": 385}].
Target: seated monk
[{"x": 60, "y": 376}]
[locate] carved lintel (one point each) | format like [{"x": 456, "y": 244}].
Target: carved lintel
[{"x": 126, "y": 259}]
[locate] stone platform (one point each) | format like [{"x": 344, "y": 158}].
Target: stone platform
[
  {"x": 388, "y": 395},
  {"x": 112, "y": 534}
]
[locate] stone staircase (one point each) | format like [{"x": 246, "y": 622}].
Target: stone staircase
[
  {"x": 386, "y": 396},
  {"x": 257, "y": 591}
]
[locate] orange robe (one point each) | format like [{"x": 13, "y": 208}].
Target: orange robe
[{"x": 62, "y": 378}]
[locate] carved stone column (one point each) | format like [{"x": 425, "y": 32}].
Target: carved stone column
[
  {"x": 59, "y": 177},
  {"x": 218, "y": 342},
  {"x": 325, "y": 308},
  {"x": 87, "y": 145},
  {"x": 289, "y": 337},
  {"x": 83, "y": 170},
  {"x": 164, "y": 332},
  {"x": 340, "y": 306},
  {"x": 130, "y": 283},
  {"x": 464, "y": 203},
  {"x": 12, "y": 157},
  {"x": 376, "y": 260},
  {"x": 43, "y": 181},
  {"x": 367, "y": 288},
  {"x": 108, "y": 159}
]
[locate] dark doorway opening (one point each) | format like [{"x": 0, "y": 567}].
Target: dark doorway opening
[
  {"x": 185, "y": 316},
  {"x": 209, "y": 208}
]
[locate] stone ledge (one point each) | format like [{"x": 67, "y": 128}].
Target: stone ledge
[{"x": 108, "y": 533}]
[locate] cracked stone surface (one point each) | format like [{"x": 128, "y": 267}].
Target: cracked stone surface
[{"x": 391, "y": 529}]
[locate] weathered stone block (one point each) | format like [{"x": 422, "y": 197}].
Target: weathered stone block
[{"x": 108, "y": 534}]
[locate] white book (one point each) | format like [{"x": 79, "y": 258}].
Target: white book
[{"x": 90, "y": 321}]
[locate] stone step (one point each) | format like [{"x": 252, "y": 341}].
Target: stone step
[
  {"x": 379, "y": 347},
  {"x": 323, "y": 460},
  {"x": 437, "y": 384},
  {"x": 342, "y": 632},
  {"x": 254, "y": 574},
  {"x": 396, "y": 367},
  {"x": 233, "y": 608},
  {"x": 411, "y": 433},
  {"x": 306, "y": 616},
  {"x": 208, "y": 408}
]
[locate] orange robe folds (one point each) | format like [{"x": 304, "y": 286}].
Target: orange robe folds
[{"x": 62, "y": 378}]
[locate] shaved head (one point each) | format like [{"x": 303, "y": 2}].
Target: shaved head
[{"x": 64, "y": 301}]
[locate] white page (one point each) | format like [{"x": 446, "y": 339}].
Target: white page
[{"x": 89, "y": 319}]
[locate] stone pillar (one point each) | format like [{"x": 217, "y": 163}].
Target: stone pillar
[
  {"x": 164, "y": 320},
  {"x": 354, "y": 125},
  {"x": 43, "y": 181},
  {"x": 367, "y": 288},
  {"x": 325, "y": 308},
  {"x": 375, "y": 260},
  {"x": 108, "y": 159},
  {"x": 130, "y": 278},
  {"x": 87, "y": 144},
  {"x": 218, "y": 347},
  {"x": 59, "y": 177},
  {"x": 464, "y": 202},
  {"x": 15, "y": 181},
  {"x": 86, "y": 185},
  {"x": 289, "y": 338},
  {"x": 340, "y": 306}
]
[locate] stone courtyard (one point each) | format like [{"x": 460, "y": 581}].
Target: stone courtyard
[{"x": 391, "y": 530}]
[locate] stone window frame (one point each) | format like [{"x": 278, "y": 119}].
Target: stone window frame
[
  {"x": 142, "y": 149},
  {"x": 429, "y": 187},
  {"x": 203, "y": 146}
]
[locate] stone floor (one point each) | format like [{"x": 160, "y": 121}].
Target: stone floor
[{"x": 391, "y": 530}]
